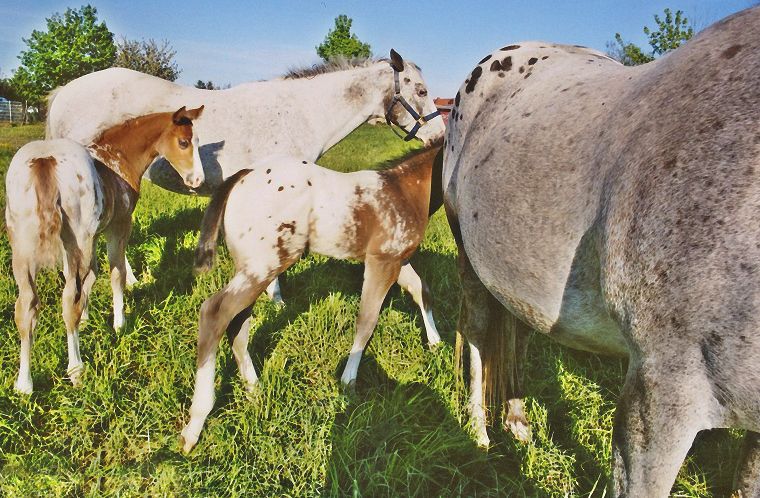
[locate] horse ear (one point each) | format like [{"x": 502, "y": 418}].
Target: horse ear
[
  {"x": 178, "y": 115},
  {"x": 193, "y": 114},
  {"x": 397, "y": 62}
]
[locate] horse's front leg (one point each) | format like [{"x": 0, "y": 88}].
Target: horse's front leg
[
  {"x": 238, "y": 332},
  {"x": 413, "y": 284},
  {"x": 379, "y": 275},
  {"x": 116, "y": 243}
]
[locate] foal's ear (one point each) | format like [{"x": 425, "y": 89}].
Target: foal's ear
[
  {"x": 397, "y": 62},
  {"x": 193, "y": 114},
  {"x": 178, "y": 115}
]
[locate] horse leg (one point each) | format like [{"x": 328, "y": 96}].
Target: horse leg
[
  {"x": 747, "y": 478},
  {"x": 27, "y": 306},
  {"x": 515, "y": 336},
  {"x": 131, "y": 279},
  {"x": 273, "y": 291},
  {"x": 89, "y": 281},
  {"x": 379, "y": 275},
  {"x": 238, "y": 333},
  {"x": 413, "y": 284},
  {"x": 116, "y": 242},
  {"x": 659, "y": 413},
  {"x": 75, "y": 296},
  {"x": 216, "y": 314}
]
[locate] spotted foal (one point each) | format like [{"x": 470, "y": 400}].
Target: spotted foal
[
  {"x": 60, "y": 195},
  {"x": 375, "y": 216}
]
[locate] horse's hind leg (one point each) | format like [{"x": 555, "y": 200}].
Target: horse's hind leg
[
  {"x": 273, "y": 291},
  {"x": 75, "y": 297},
  {"x": 216, "y": 314},
  {"x": 413, "y": 284},
  {"x": 238, "y": 331},
  {"x": 116, "y": 242},
  {"x": 379, "y": 275},
  {"x": 26, "y": 310},
  {"x": 747, "y": 478},
  {"x": 661, "y": 408}
]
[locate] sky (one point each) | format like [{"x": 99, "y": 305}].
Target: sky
[{"x": 234, "y": 42}]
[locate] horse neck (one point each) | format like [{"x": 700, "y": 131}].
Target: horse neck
[
  {"x": 346, "y": 99},
  {"x": 129, "y": 148}
]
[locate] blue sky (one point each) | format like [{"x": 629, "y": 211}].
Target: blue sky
[{"x": 234, "y": 42}]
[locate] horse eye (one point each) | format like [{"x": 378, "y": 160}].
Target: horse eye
[{"x": 183, "y": 144}]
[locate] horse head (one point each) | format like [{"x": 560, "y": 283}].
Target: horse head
[{"x": 178, "y": 145}]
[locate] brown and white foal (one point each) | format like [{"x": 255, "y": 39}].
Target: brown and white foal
[
  {"x": 60, "y": 195},
  {"x": 271, "y": 213}
]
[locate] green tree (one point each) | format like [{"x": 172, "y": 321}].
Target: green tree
[
  {"x": 73, "y": 45},
  {"x": 149, "y": 57},
  {"x": 340, "y": 42},
  {"x": 670, "y": 32}
]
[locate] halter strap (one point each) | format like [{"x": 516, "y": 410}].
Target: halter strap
[{"x": 420, "y": 120}]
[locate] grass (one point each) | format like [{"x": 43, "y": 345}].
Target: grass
[{"x": 404, "y": 433}]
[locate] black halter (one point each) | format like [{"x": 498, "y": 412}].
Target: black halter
[{"x": 420, "y": 120}]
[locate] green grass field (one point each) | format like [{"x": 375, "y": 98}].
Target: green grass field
[{"x": 403, "y": 433}]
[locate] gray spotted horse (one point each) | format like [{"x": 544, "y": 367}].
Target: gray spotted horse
[{"x": 617, "y": 210}]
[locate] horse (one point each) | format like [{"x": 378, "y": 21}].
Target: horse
[
  {"x": 61, "y": 195},
  {"x": 378, "y": 217},
  {"x": 615, "y": 209},
  {"x": 301, "y": 115}
]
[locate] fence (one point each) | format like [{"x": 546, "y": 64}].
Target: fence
[{"x": 11, "y": 111}]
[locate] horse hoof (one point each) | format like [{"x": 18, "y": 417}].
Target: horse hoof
[
  {"x": 434, "y": 345},
  {"x": 118, "y": 323},
  {"x": 187, "y": 441},
  {"x": 349, "y": 387},
  {"x": 24, "y": 387},
  {"x": 520, "y": 429},
  {"x": 75, "y": 375},
  {"x": 481, "y": 438}
]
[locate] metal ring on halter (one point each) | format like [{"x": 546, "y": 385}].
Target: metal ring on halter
[{"x": 419, "y": 120}]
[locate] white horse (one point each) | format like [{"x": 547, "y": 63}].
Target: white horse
[
  {"x": 300, "y": 115},
  {"x": 378, "y": 217},
  {"x": 59, "y": 197}
]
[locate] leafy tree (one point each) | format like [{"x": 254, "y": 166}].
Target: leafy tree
[
  {"x": 670, "y": 33},
  {"x": 149, "y": 57},
  {"x": 73, "y": 45},
  {"x": 340, "y": 42},
  {"x": 209, "y": 85}
]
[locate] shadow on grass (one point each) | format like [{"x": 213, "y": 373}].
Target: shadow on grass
[{"x": 400, "y": 440}]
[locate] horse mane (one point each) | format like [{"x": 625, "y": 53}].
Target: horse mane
[{"x": 333, "y": 65}]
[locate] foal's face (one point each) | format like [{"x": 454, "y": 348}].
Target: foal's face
[
  {"x": 180, "y": 148},
  {"x": 415, "y": 91}
]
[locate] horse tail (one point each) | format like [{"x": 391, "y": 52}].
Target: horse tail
[
  {"x": 50, "y": 98},
  {"x": 436, "y": 184},
  {"x": 212, "y": 221},
  {"x": 49, "y": 213}
]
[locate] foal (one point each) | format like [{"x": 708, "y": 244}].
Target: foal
[
  {"x": 60, "y": 195},
  {"x": 272, "y": 214}
]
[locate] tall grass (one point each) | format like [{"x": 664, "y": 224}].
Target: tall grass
[{"x": 403, "y": 433}]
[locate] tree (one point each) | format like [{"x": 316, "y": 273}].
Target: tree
[
  {"x": 209, "y": 85},
  {"x": 340, "y": 42},
  {"x": 73, "y": 45},
  {"x": 149, "y": 57},
  {"x": 669, "y": 34}
]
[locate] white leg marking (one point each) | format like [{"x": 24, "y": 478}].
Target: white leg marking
[
  {"x": 477, "y": 411},
  {"x": 131, "y": 279},
  {"x": 203, "y": 402},
  {"x": 412, "y": 283},
  {"x": 516, "y": 420},
  {"x": 24, "y": 380},
  {"x": 118, "y": 298},
  {"x": 243, "y": 358},
  {"x": 273, "y": 291}
]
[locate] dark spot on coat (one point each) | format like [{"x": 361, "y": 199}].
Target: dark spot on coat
[
  {"x": 522, "y": 69},
  {"x": 475, "y": 215},
  {"x": 511, "y": 47},
  {"x": 474, "y": 79},
  {"x": 506, "y": 63},
  {"x": 269, "y": 181},
  {"x": 280, "y": 189},
  {"x": 532, "y": 61},
  {"x": 526, "y": 75},
  {"x": 496, "y": 66},
  {"x": 287, "y": 226},
  {"x": 501, "y": 74},
  {"x": 269, "y": 171},
  {"x": 456, "y": 99},
  {"x": 304, "y": 162},
  {"x": 731, "y": 51},
  {"x": 292, "y": 186},
  {"x": 526, "y": 115},
  {"x": 670, "y": 163},
  {"x": 544, "y": 57},
  {"x": 80, "y": 177},
  {"x": 484, "y": 59}
]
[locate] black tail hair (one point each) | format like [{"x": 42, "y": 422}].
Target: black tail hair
[
  {"x": 212, "y": 221},
  {"x": 436, "y": 184}
]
